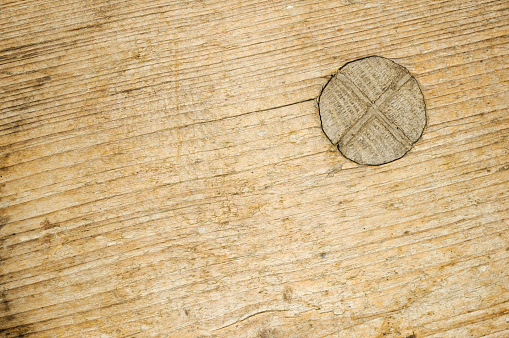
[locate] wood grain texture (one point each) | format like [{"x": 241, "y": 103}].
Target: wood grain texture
[{"x": 164, "y": 173}]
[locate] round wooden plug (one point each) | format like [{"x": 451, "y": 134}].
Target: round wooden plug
[{"x": 373, "y": 110}]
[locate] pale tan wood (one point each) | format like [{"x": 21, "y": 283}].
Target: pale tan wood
[{"x": 164, "y": 172}]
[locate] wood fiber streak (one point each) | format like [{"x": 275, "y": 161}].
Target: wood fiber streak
[{"x": 163, "y": 172}]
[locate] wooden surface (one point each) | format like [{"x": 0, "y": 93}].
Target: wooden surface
[{"x": 164, "y": 173}]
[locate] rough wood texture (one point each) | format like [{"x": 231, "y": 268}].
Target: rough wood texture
[
  {"x": 164, "y": 172},
  {"x": 373, "y": 110}
]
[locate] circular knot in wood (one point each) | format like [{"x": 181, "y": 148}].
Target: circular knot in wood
[{"x": 373, "y": 110}]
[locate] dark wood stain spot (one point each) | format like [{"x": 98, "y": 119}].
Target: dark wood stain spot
[
  {"x": 87, "y": 27},
  {"x": 126, "y": 91},
  {"x": 106, "y": 10},
  {"x": 17, "y": 331},
  {"x": 407, "y": 232},
  {"x": 4, "y": 158},
  {"x": 4, "y": 220},
  {"x": 28, "y": 51},
  {"x": 288, "y": 294},
  {"x": 47, "y": 239},
  {"x": 4, "y": 303},
  {"x": 269, "y": 333},
  {"x": 390, "y": 328},
  {"x": 17, "y": 56},
  {"x": 46, "y": 224},
  {"x": 10, "y": 49},
  {"x": 42, "y": 81},
  {"x": 412, "y": 336},
  {"x": 22, "y": 106},
  {"x": 6, "y": 320},
  {"x": 503, "y": 168}
]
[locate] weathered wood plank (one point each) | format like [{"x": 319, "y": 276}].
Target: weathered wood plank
[{"x": 163, "y": 172}]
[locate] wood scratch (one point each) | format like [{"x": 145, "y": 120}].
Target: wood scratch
[{"x": 247, "y": 317}]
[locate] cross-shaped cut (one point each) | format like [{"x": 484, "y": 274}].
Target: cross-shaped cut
[{"x": 373, "y": 110}]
